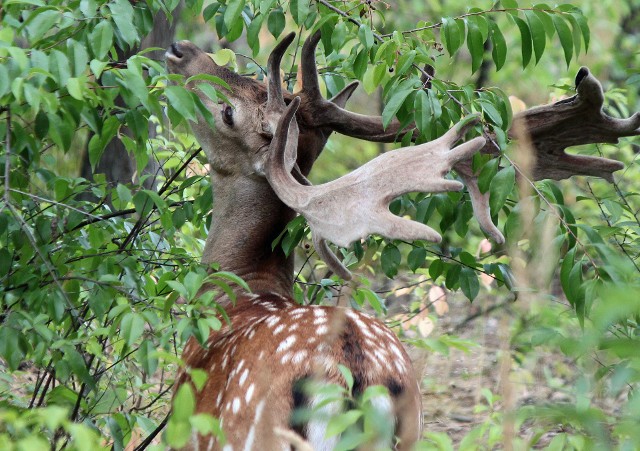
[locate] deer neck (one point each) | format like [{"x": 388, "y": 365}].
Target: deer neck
[{"x": 247, "y": 217}]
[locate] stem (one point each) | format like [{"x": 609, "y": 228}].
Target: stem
[{"x": 7, "y": 160}]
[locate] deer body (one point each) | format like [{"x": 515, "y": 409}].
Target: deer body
[
  {"x": 263, "y": 145},
  {"x": 256, "y": 364}
]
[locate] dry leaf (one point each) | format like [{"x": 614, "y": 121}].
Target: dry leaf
[{"x": 438, "y": 299}]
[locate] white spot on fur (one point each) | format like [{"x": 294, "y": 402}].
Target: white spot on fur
[
  {"x": 321, "y": 330},
  {"x": 299, "y": 357},
  {"x": 318, "y": 321},
  {"x": 272, "y": 320},
  {"x": 285, "y": 358},
  {"x": 293, "y": 327},
  {"x": 236, "y": 405},
  {"x": 278, "y": 329},
  {"x": 249, "y": 394},
  {"x": 286, "y": 343},
  {"x": 396, "y": 351},
  {"x": 251, "y": 435},
  {"x": 319, "y": 312},
  {"x": 381, "y": 355},
  {"x": 219, "y": 399},
  {"x": 227, "y": 447},
  {"x": 243, "y": 377}
]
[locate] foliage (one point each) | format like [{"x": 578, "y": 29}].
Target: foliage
[{"x": 99, "y": 296}]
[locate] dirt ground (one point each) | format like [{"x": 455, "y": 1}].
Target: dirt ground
[{"x": 453, "y": 385}]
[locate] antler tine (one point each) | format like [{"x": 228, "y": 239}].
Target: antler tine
[
  {"x": 356, "y": 205},
  {"x": 310, "y": 85},
  {"x": 479, "y": 201},
  {"x": 571, "y": 122},
  {"x": 275, "y": 99}
]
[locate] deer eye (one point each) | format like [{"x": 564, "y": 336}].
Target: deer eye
[{"x": 227, "y": 115}]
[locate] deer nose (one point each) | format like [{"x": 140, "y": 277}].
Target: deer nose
[{"x": 175, "y": 49}]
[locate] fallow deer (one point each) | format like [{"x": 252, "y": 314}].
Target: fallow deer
[{"x": 263, "y": 145}]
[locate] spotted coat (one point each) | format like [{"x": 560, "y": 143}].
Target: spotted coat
[{"x": 255, "y": 365}]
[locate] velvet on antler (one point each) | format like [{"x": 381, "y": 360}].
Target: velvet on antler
[
  {"x": 577, "y": 120},
  {"x": 357, "y": 204}
]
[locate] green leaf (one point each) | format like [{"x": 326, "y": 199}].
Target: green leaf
[
  {"x": 339, "y": 423},
  {"x": 566, "y": 37},
  {"x": 527, "y": 45},
  {"x": 131, "y": 327},
  {"x": 540, "y": 10},
  {"x": 180, "y": 99},
  {"x": 394, "y": 104},
  {"x": 253, "y": 34},
  {"x": 490, "y": 111},
  {"x": 232, "y": 12},
  {"x": 5, "y": 84},
  {"x": 101, "y": 39},
  {"x": 365, "y": 35},
  {"x": 75, "y": 88},
  {"x": 422, "y": 106},
  {"x": 487, "y": 173},
  {"x": 390, "y": 260},
  {"x": 499, "y": 51},
  {"x": 584, "y": 28},
  {"x": 360, "y": 63},
  {"x": 538, "y": 34},
  {"x": 122, "y": 15},
  {"x": 59, "y": 66},
  {"x": 210, "y": 11},
  {"x": 475, "y": 44},
  {"x": 501, "y": 187},
  {"x": 184, "y": 403},
  {"x": 299, "y": 10},
  {"x": 469, "y": 283},
  {"x": 276, "y": 22},
  {"x": 405, "y": 61},
  {"x": 348, "y": 377},
  {"x": 451, "y": 35},
  {"x": 416, "y": 258}
]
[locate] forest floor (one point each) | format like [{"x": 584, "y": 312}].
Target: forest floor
[{"x": 455, "y": 386}]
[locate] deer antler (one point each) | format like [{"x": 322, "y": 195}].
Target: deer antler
[
  {"x": 572, "y": 122},
  {"x": 357, "y": 204},
  {"x": 320, "y": 112},
  {"x": 551, "y": 129}
]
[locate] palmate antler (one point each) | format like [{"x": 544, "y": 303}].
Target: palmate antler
[
  {"x": 357, "y": 204},
  {"x": 572, "y": 122}
]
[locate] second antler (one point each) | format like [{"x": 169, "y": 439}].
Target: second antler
[{"x": 357, "y": 204}]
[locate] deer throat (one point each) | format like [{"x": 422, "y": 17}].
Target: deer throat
[{"x": 247, "y": 217}]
